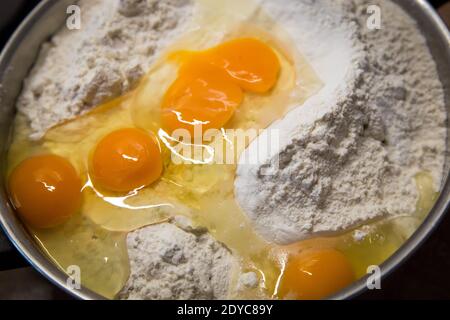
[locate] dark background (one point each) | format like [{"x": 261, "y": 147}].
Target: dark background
[{"x": 423, "y": 276}]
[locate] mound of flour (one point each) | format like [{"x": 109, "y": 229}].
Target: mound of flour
[
  {"x": 349, "y": 155},
  {"x": 175, "y": 261},
  {"x": 79, "y": 69}
]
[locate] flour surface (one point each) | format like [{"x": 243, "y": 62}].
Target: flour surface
[
  {"x": 80, "y": 69},
  {"x": 172, "y": 262},
  {"x": 349, "y": 154}
]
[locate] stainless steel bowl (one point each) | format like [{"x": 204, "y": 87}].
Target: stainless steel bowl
[{"x": 21, "y": 52}]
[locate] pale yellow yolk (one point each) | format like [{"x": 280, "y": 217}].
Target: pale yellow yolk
[
  {"x": 210, "y": 83},
  {"x": 127, "y": 159}
]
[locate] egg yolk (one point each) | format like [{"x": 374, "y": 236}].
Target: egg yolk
[
  {"x": 127, "y": 159},
  {"x": 315, "y": 274},
  {"x": 210, "y": 85},
  {"x": 252, "y": 64},
  {"x": 203, "y": 94},
  {"x": 45, "y": 190}
]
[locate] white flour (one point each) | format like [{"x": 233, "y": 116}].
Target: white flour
[
  {"x": 349, "y": 155},
  {"x": 79, "y": 69},
  {"x": 168, "y": 262}
]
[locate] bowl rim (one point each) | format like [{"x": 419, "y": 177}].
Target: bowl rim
[
  {"x": 37, "y": 259},
  {"x": 42, "y": 263}
]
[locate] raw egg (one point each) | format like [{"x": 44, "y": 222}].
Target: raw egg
[
  {"x": 251, "y": 63},
  {"x": 211, "y": 83},
  {"x": 127, "y": 159},
  {"x": 203, "y": 94},
  {"x": 45, "y": 190},
  {"x": 315, "y": 274}
]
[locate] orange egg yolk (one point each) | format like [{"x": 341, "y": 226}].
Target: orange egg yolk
[
  {"x": 202, "y": 94},
  {"x": 252, "y": 64},
  {"x": 127, "y": 159},
  {"x": 45, "y": 190},
  {"x": 315, "y": 274},
  {"x": 210, "y": 84}
]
